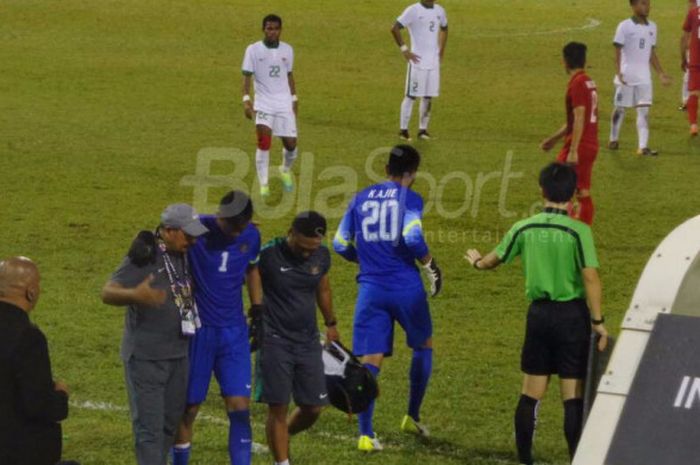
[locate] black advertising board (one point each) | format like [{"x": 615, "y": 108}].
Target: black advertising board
[{"x": 660, "y": 422}]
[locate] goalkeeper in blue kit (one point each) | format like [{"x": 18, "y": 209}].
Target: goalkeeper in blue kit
[
  {"x": 222, "y": 262},
  {"x": 382, "y": 232}
]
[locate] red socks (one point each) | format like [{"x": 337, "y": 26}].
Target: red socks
[
  {"x": 693, "y": 109},
  {"x": 586, "y": 208}
]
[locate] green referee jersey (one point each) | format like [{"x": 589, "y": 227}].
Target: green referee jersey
[{"x": 554, "y": 249}]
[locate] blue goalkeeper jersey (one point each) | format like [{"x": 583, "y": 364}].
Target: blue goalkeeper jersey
[
  {"x": 219, "y": 264},
  {"x": 382, "y": 231}
]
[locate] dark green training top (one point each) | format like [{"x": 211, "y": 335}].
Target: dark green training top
[
  {"x": 554, "y": 250},
  {"x": 289, "y": 286}
]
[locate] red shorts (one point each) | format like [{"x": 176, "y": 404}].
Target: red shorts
[
  {"x": 584, "y": 168},
  {"x": 694, "y": 78}
]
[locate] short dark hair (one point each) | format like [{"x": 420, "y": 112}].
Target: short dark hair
[
  {"x": 310, "y": 224},
  {"x": 558, "y": 182},
  {"x": 271, "y": 19},
  {"x": 403, "y": 159},
  {"x": 236, "y": 207},
  {"x": 575, "y": 55}
]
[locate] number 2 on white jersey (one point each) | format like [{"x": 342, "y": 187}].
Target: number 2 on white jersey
[
  {"x": 386, "y": 214},
  {"x": 224, "y": 262}
]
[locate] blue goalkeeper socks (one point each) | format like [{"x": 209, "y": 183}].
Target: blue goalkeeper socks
[
  {"x": 421, "y": 369},
  {"x": 240, "y": 437},
  {"x": 181, "y": 454},
  {"x": 365, "y": 418}
]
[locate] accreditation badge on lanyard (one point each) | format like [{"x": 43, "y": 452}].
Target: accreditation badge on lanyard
[{"x": 181, "y": 288}]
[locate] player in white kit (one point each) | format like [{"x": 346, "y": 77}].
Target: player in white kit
[
  {"x": 269, "y": 62},
  {"x": 427, "y": 25},
  {"x": 635, "y": 42}
]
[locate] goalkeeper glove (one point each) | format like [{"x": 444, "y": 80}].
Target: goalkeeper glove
[
  {"x": 255, "y": 325},
  {"x": 434, "y": 277}
]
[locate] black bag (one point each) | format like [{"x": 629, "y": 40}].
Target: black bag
[
  {"x": 351, "y": 386},
  {"x": 143, "y": 250}
]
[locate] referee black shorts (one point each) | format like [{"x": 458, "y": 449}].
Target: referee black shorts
[
  {"x": 289, "y": 369},
  {"x": 557, "y": 339}
]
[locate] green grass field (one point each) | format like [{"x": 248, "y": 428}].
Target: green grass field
[{"x": 105, "y": 106}]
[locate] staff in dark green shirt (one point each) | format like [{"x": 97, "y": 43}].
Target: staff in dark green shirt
[{"x": 562, "y": 283}]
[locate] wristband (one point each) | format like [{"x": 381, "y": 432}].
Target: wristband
[
  {"x": 404, "y": 48},
  {"x": 330, "y": 324},
  {"x": 476, "y": 263},
  {"x": 598, "y": 322},
  {"x": 246, "y": 98},
  {"x": 295, "y": 98}
]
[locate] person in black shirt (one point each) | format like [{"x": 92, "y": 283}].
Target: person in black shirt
[
  {"x": 31, "y": 402},
  {"x": 294, "y": 274}
]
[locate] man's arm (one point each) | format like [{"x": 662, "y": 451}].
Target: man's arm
[
  {"x": 144, "y": 294},
  {"x": 577, "y": 134},
  {"x": 618, "y": 63},
  {"x": 656, "y": 63},
  {"x": 685, "y": 40},
  {"x": 549, "y": 143},
  {"x": 345, "y": 235},
  {"x": 41, "y": 398},
  {"x": 591, "y": 281},
  {"x": 254, "y": 285},
  {"x": 293, "y": 91},
  {"x": 324, "y": 299},
  {"x": 489, "y": 262},
  {"x": 443, "y": 41},
  {"x": 247, "y": 103},
  {"x": 396, "y": 32}
]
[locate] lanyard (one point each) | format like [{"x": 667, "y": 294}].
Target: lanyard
[{"x": 182, "y": 292}]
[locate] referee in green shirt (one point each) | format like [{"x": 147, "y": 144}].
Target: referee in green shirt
[{"x": 562, "y": 284}]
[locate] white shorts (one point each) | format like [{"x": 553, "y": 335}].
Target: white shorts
[
  {"x": 283, "y": 124},
  {"x": 422, "y": 82},
  {"x": 633, "y": 96}
]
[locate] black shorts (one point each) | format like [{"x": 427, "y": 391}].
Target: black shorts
[
  {"x": 557, "y": 339},
  {"x": 287, "y": 368}
]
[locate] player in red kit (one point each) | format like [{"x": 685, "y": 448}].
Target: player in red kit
[
  {"x": 581, "y": 130},
  {"x": 691, "y": 62}
]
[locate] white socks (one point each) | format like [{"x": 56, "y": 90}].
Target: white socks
[
  {"x": 643, "y": 126},
  {"x": 286, "y": 462},
  {"x": 425, "y": 105},
  {"x": 406, "y": 110},
  {"x": 617, "y": 118},
  {"x": 262, "y": 162},
  {"x": 289, "y": 157}
]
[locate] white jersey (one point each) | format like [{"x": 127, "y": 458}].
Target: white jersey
[
  {"x": 424, "y": 25},
  {"x": 270, "y": 67},
  {"x": 637, "y": 41}
]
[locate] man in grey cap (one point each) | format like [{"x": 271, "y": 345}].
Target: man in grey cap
[{"x": 161, "y": 315}]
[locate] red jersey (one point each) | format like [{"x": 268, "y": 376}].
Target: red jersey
[
  {"x": 582, "y": 92},
  {"x": 692, "y": 25}
]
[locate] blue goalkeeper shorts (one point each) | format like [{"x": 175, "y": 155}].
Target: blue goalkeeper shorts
[
  {"x": 376, "y": 311},
  {"x": 226, "y": 352}
]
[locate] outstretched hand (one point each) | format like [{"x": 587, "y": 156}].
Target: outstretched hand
[{"x": 147, "y": 295}]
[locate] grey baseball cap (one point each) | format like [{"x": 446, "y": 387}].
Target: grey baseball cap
[{"x": 183, "y": 216}]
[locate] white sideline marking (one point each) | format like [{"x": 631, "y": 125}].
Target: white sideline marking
[
  {"x": 258, "y": 448},
  {"x": 591, "y": 24}
]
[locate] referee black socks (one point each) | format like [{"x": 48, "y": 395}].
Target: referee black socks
[
  {"x": 525, "y": 422},
  {"x": 573, "y": 423}
]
